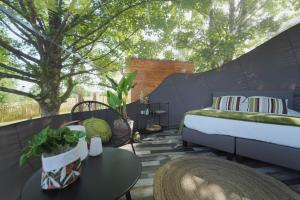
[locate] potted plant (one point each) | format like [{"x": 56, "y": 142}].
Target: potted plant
[
  {"x": 60, "y": 152},
  {"x": 117, "y": 98}
]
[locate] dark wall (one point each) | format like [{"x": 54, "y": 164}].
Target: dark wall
[
  {"x": 14, "y": 137},
  {"x": 274, "y": 65},
  {"x": 12, "y": 140}
]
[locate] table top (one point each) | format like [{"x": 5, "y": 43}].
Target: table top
[{"x": 108, "y": 176}]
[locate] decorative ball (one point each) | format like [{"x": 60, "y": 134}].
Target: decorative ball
[{"x": 97, "y": 127}]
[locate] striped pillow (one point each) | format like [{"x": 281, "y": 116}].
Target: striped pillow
[
  {"x": 268, "y": 105},
  {"x": 233, "y": 103}
]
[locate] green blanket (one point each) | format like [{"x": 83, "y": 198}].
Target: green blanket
[{"x": 245, "y": 116}]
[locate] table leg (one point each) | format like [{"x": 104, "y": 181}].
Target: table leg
[{"x": 128, "y": 195}]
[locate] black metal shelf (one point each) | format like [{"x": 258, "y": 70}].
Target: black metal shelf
[{"x": 158, "y": 114}]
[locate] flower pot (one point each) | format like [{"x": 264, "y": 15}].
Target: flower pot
[
  {"x": 121, "y": 128},
  {"x": 120, "y": 124},
  {"x": 61, "y": 170},
  {"x": 83, "y": 148},
  {"x": 82, "y": 142}
]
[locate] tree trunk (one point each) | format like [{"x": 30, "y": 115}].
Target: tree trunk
[
  {"x": 50, "y": 100},
  {"x": 50, "y": 104},
  {"x": 51, "y": 64},
  {"x": 49, "y": 108}
]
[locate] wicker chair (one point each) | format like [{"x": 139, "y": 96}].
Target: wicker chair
[{"x": 87, "y": 109}]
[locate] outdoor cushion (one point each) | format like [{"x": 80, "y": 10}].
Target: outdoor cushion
[
  {"x": 247, "y": 116},
  {"x": 97, "y": 127},
  {"x": 234, "y": 103},
  {"x": 268, "y": 105}
]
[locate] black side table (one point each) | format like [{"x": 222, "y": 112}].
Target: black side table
[
  {"x": 108, "y": 176},
  {"x": 158, "y": 112}
]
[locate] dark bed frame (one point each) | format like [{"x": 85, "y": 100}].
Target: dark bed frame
[{"x": 267, "y": 152}]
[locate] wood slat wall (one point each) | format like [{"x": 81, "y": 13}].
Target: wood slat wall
[{"x": 152, "y": 72}]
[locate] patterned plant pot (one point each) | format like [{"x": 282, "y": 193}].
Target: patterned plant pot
[{"x": 61, "y": 170}]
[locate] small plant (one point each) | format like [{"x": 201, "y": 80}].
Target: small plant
[
  {"x": 50, "y": 142},
  {"x": 117, "y": 98}
]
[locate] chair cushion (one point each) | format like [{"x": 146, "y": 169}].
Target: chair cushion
[{"x": 97, "y": 127}]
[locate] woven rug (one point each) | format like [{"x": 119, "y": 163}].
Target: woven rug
[{"x": 205, "y": 178}]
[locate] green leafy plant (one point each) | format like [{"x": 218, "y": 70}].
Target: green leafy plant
[
  {"x": 50, "y": 141},
  {"x": 117, "y": 98}
]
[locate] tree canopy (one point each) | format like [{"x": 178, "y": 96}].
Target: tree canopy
[
  {"x": 55, "y": 43},
  {"x": 213, "y": 32}
]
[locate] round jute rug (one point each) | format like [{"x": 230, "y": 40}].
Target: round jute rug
[{"x": 205, "y": 178}]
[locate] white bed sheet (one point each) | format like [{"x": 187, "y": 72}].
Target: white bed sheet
[{"x": 272, "y": 133}]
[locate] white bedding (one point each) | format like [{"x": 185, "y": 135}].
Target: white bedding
[{"x": 272, "y": 133}]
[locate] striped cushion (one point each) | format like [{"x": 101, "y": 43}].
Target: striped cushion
[
  {"x": 268, "y": 105},
  {"x": 233, "y": 103}
]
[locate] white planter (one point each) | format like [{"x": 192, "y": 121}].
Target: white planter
[
  {"x": 61, "y": 170},
  {"x": 95, "y": 146},
  {"x": 83, "y": 148},
  {"x": 82, "y": 142}
]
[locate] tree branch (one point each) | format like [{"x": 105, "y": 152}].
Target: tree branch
[
  {"x": 17, "y": 52},
  {"x": 13, "y": 18},
  {"x": 6, "y": 75},
  {"x": 79, "y": 18},
  {"x": 104, "y": 24},
  {"x": 70, "y": 86},
  {"x": 28, "y": 40},
  {"x": 77, "y": 73},
  {"x": 17, "y": 70},
  {"x": 105, "y": 85},
  {"x": 18, "y": 92},
  {"x": 109, "y": 52},
  {"x": 15, "y": 8}
]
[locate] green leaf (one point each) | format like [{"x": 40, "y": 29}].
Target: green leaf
[
  {"x": 129, "y": 80},
  {"x": 113, "y": 100},
  {"x": 23, "y": 159},
  {"x": 113, "y": 83},
  {"x": 52, "y": 141}
]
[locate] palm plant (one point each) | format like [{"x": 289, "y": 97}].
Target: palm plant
[{"x": 117, "y": 98}]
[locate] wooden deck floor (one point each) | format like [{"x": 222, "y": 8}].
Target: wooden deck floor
[{"x": 157, "y": 149}]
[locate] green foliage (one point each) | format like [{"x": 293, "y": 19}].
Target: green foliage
[
  {"x": 97, "y": 127},
  {"x": 211, "y": 32},
  {"x": 80, "y": 91},
  {"x": 71, "y": 40},
  {"x": 117, "y": 98},
  {"x": 50, "y": 141},
  {"x": 113, "y": 100}
]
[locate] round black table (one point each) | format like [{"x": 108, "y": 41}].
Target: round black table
[{"x": 108, "y": 176}]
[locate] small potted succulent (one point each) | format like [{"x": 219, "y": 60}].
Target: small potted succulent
[{"x": 60, "y": 153}]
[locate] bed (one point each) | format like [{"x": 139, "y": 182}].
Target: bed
[{"x": 274, "y": 143}]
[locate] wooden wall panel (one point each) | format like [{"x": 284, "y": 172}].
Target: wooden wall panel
[{"x": 152, "y": 72}]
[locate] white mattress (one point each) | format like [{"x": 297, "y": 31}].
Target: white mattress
[{"x": 272, "y": 133}]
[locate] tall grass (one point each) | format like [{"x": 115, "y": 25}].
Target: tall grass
[{"x": 30, "y": 109}]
